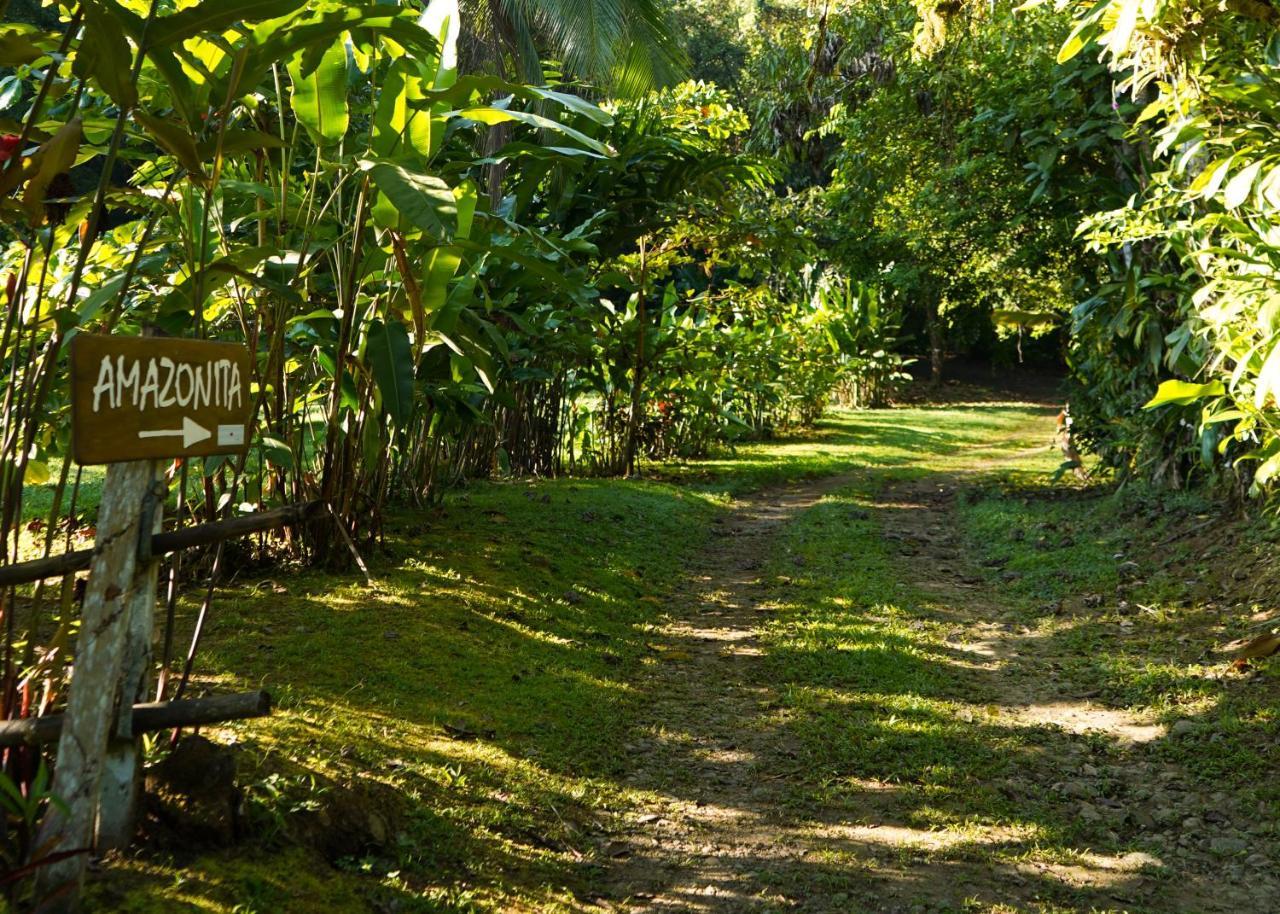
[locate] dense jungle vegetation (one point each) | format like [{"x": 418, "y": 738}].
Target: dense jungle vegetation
[
  {"x": 638, "y": 251},
  {"x": 509, "y": 241}
]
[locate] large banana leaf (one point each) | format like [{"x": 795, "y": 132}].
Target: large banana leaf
[
  {"x": 425, "y": 201},
  {"x": 390, "y": 357},
  {"x": 320, "y": 94},
  {"x": 104, "y": 53}
]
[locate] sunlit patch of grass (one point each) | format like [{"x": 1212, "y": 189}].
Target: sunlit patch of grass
[
  {"x": 482, "y": 689},
  {"x": 1138, "y": 621},
  {"x": 890, "y": 442},
  {"x": 479, "y": 693}
]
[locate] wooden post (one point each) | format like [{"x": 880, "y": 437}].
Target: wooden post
[
  {"x": 94, "y": 693},
  {"x": 134, "y": 401},
  {"x": 121, "y": 791}
]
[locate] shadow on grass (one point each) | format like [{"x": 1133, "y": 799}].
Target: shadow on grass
[
  {"x": 475, "y": 700},
  {"x": 913, "y": 779},
  {"x": 481, "y": 699}
]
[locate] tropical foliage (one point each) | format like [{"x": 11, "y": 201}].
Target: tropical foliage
[
  {"x": 449, "y": 259},
  {"x": 442, "y": 273},
  {"x": 1191, "y": 300}
]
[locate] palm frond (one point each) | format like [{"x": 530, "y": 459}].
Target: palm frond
[{"x": 627, "y": 47}]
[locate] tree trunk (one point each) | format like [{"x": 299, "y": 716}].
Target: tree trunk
[
  {"x": 637, "y": 382},
  {"x": 637, "y": 375},
  {"x": 933, "y": 322}
]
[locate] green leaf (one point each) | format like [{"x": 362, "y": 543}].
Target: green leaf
[
  {"x": 277, "y": 452},
  {"x": 520, "y": 150},
  {"x": 16, "y": 48},
  {"x": 442, "y": 266},
  {"x": 187, "y": 98},
  {"x": 319, "y": 96},
  {"x": 320, "y": 314},
  {"x": 92, "y": 303},
  {"x": 395, "y": 122},
  {"x": 175, "y": 140},
  {"x": 492, "y": 116},
  {"x": 55, "y": 157},
  {"x": 467, "y": 196},
  {"x": 1079, "y": 38},
  {"x": 1267, "y": 469},
  {"x": 1227, "y": 415},
  {"x": 533, "y": 265},
  {"x": 1183, "y": 393},
  {"x": 239, "y": 265},
  {"x": 468, "y": 87},
  {"x": 390, "y": 356},
  {"x": 1267, "y": 384},
  {"x": 1239, "y": 187},
  {"x": 215, "y": 16},
  {"x": 10, "y": 91},
  {"x": 424, "y": 200},
  {"x": 442, "y": 21},
  {"x": 1211, "y": 177},
  {"x": 1122, "y": 32},
  {"x": 236, "y": 141},
  {"x": 104, "y": 53},
  {"x": 274, "y": 41},
  {"x": 36, "y": 474}
]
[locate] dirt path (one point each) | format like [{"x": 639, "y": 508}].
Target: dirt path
[
  {"x": 725, "y": 831},
  {"x": 708, "y": 752}
]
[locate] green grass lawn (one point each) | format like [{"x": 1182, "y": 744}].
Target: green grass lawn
[
  {"x": 478, "y": 695},
  {"x": 461, "y": 726}
]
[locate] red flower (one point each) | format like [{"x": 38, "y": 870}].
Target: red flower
[{"x": 8, "y": 146}]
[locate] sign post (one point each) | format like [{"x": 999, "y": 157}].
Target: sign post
[
  {"x": 138, "y": 398},
  {"x": 135, "y": 401}
]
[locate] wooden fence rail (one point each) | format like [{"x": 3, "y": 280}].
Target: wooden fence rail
[
  {"x": 162, "y": 543},
  {"x": 97, "y": 773},
  {"x": 148, "y": 717}
]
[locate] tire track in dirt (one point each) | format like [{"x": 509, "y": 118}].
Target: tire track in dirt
[
  {"x": 721, "y": 834},
  {"x": 1107, "y": 770}
]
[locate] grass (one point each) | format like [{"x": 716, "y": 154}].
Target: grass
[
  {"x": 892, "y": 442},
  {"x": 890, "y": 716},
  {"x": 1162, "y": 605},
  {"x": 483, "y": 679},
  {"x": 458, "y": 731}
]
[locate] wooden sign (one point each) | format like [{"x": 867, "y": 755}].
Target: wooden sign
[{"x": 142, "y": 398}]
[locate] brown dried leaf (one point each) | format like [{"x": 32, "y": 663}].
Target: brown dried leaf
[{"x": 1261, "y": 646}]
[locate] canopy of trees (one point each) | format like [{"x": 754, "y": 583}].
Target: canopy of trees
[
  {"x": 451, "y": 257},
  {"x": 506, "y": 237}
]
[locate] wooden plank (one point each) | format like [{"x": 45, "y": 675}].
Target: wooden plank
[
  {"x": 148, "y": 717},
  {"x": 94, "y": 689},
  {"x": 217, "y": 531},
  {"x": 139, "y": 398},
  {"x": 120, "y": 796},
  {"x": 53, "y": 567},
  {"x": 163, "y": 543}
]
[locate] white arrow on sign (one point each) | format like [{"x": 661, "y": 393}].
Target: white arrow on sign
[{"x": 192, "y": 432}]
